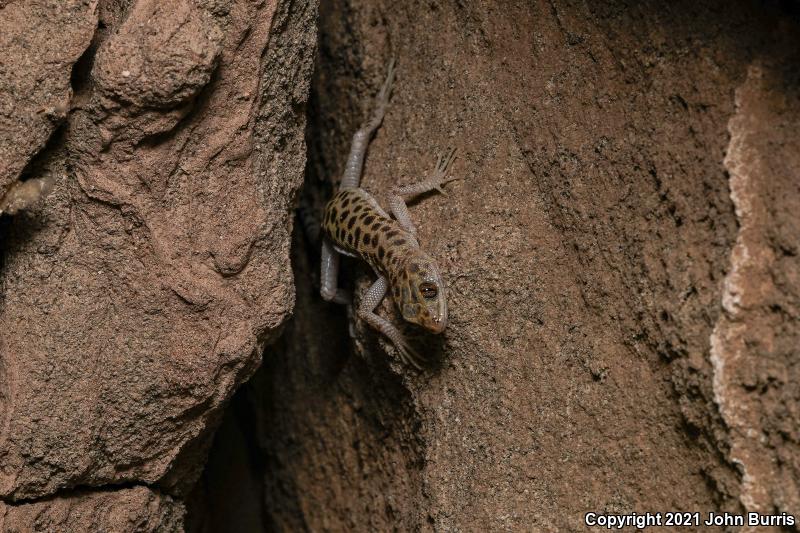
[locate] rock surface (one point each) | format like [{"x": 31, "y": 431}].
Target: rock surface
[
  {"x": 41, "y": 41},
  {"x": 755, "y": 342},
  {"x": 138, "y": 510},
  {"x": 141, "y": 293},
  {"x": 622, "y": 259},
  {"x": 621, "y": 253}
]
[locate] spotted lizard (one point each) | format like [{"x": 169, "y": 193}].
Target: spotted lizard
[{"x": 355, "y": 225}]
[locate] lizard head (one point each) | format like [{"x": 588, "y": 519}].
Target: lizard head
[{"x": 419, "y": 292}]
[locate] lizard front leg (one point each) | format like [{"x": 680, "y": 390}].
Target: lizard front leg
[
  {"x": 366, "y": 311},
  {"x": 399, "y": 195}
]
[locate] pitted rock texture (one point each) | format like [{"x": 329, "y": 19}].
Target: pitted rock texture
[
  {"x": 162, "y": 55},
  {"x": 135, "y": 510},
  {"x": 586, "y": 247},
  {"x": 40, "y": 42},
  {"x": 141, "y": 293}
]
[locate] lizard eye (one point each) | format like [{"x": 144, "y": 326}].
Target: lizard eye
[{"x": 428, "y": 290}]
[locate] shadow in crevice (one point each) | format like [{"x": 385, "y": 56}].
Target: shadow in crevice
[
  {"x": 20, "y": 230},
  {"x": 338, "y": 429},
  {"x": 229, "y": 494}
]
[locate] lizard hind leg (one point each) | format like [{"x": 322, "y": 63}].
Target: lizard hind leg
[
  {"x": 329, "y": 272},
  {"x": 361, "y": 138}
]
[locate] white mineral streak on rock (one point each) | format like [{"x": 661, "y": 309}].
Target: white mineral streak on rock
[{"x": 743, "y": 289}]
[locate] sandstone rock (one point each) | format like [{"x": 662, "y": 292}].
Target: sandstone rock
[
  {"x": 138, "y": 510},
  {"x": 141, "y": 294},
  {"x": 40, "y": 41},
  {"x": 589, "y": 248},
  {"x": 621, "y": 254},
  {"x": 755, "y": 342}
]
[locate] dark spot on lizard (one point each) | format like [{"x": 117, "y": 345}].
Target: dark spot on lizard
[
  {"x": 369, "y": 219},
  {"x": 399, "y": 242},
  {"x": 381, "y": 252},
  {"x": 350, "y": 239},
  {"x": 351, "y": 222},
  {"x": 344, "y": 215},
  {"x": 413, "y": 268},
  {"x": 392, "y": 233},
  {"x": 358, "y": 208},
  {"x": 358, "y": 235},
  {"x": 345, "y": 202}
]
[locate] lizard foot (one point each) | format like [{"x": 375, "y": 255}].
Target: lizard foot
[
  {"x": 408, "y": 354},
  {"x": 438, "y": 179}
]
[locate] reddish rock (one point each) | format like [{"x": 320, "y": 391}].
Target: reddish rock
[
  {"x": 141, "y": 294},
  {"x": 621, "y": 254},
  {"x": 40, "y": 41},
  {"x": 136, "y": 510},
  {"x": 588, "y": 247}
]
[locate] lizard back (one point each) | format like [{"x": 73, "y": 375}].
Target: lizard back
[{"x": 354, "y": 225}]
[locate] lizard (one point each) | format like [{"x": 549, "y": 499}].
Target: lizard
[{"x": 354, "y": 224}]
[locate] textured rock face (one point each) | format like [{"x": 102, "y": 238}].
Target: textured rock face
[
  {"x": 141, "y": 293},
  {"x": 622, "y": 261},
  {"x": 621, "y": 253},
  {"x": 137, "y": 510},
  {"x": 41, "y": 40}
]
